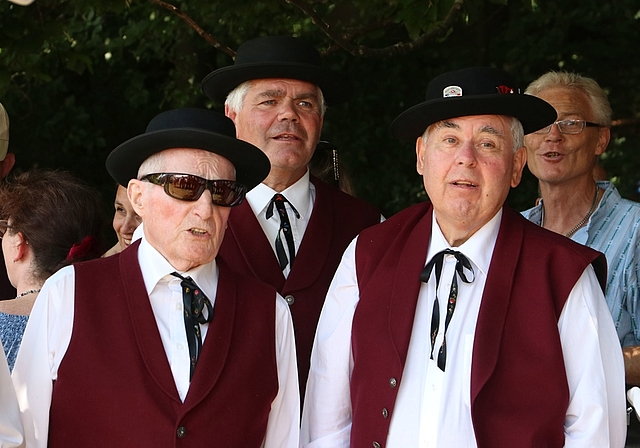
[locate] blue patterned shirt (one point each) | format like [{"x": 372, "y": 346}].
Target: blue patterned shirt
[
  {"x": 614, "y": 229},
  {"x": 11, "y": 330}
]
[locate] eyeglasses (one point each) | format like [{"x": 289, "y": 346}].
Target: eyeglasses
[
  {"x": 569, "y": 126},
  {"x": 187, "y": 187},
  {"x": 4, "y": 226}
]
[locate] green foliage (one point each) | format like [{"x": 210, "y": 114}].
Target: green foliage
[{"x": 79, "y": 77}]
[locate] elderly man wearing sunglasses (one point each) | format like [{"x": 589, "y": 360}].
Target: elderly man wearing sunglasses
[{"x": 162, "y": 345}]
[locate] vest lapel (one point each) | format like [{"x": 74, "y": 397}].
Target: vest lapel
[
  {"x": 215, "y": 348},
  {"x": 314, "y": 249},
  {"x": 406, "y": 285},
  {"x": 144, "y": 323},
  {"x": 256, "y": 250},
  {"x": 495, "y": 301}
]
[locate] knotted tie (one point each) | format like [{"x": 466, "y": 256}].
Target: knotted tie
[
  {"x": 197, "y": 310},
  {"x": 285, "y": 228},
  {"x": 462, "y": 263}
]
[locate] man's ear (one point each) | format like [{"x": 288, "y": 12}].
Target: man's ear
[
  {"x": 604, "y": 135},
  {"x": 420, "y": 146},
  {"x": 230, "y": 113},
  {"x": 135, "y": 193},
  {"x": 519, "y": 161}
]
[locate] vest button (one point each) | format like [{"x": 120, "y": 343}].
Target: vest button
[
  {"x": 181, "y": 432},
  {"x": 290, "y": 299},
  {"x": 385, "y": 413},
  {"x": 376, "y": 445},
  {"x": 393, "y": 383}
]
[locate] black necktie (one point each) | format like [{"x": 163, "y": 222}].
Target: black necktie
[
  {"x": 285, "y": 228},
  {"x": 197, "y": 310},
  {"x": 462, "y": 263}
]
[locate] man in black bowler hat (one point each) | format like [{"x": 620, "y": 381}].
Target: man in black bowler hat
[
  {"x": 162, "y": 345},
  {"x": 457, "y": 322},
  {"x": 293, "y": 228}
]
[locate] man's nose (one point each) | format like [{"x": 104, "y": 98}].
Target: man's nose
[
  {"x": 288, "y": 111},
  {"x": 203, "y": 207},
  {"x": 554, "y": 133},
  {"x": 466, "y": 154}
]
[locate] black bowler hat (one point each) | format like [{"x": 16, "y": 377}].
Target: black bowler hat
[
  {"x": 473, "y": 91},
  {"x": 189, "y": 128},
  {"x": 276, "y": 57}
]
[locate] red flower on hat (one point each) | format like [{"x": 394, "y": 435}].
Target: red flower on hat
[{"x": 504, "y": 89}]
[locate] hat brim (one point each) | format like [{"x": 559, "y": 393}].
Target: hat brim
[
  {"x": 532, "y": 112},
  {"x": 251, "y": 164},
  {"x": 218, "y": 84}
]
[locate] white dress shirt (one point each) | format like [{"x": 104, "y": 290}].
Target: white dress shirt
[
  {"x": 10, "y": 424},
  {"x": 433, "y": 408},
  {"x": 301, "y": 195},
  {"x": 48, "y": 334}
]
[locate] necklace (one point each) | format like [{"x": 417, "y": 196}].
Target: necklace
[
  {"x": 31, "y": 291},
  {"x": 570, "y": 233}
]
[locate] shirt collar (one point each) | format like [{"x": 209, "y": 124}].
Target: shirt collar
[
  {"x": 297, "y": 194},
  {"x": 535, "y": 214},
  {"x": 478, "y": 248},
  {"x": 155, "y": 268}
]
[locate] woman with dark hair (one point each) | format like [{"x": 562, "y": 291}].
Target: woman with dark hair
[
  {"x": 125, "y": 221},
  {"x": 49, "y": 219}
]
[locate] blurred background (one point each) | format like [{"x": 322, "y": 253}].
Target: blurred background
[{"x": 80, "y": 77}]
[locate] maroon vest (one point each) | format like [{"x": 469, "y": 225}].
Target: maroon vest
[
  {"x": 336, "y": 219},
  {"x": 519, "y": 392},
  {"x": 115, "y": 386}
]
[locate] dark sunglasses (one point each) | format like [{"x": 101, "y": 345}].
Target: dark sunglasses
[{"x": 187, "y": 187}]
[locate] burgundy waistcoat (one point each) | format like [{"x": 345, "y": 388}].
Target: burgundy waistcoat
[
  {"x": 519, "y": 392},
  {"x": 115, "y": 387},
  {"x": 336, "y": 219}
]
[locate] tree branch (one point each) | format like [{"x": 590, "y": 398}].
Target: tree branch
[
  {"x": 396, "y": 49},
  {"x": 324, "y": 26},
  {"x": 343, "y": 40},
  {"x": 206, "y": 36}
]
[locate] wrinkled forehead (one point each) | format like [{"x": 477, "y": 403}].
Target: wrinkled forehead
[
  {"x": 282, "y": 87},
  {"x": 199, "y": 162},
  {"x": 567, "y": 101},
  {"x": 479, "y": 123}
]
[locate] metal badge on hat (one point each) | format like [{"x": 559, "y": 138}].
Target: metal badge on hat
[{"x": 452, "y": 91}]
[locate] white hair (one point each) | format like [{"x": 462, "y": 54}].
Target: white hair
[
  {"x": 235, "y": 99},
  {"x": 152, "y": 164}
]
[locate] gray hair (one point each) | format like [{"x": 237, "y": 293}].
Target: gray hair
[
  {"x": 595, "y": 94},
  {"x": 152, "y": 164},
  {"x": 517, "y": 132},
  {"x": 235, "y": 99}
]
